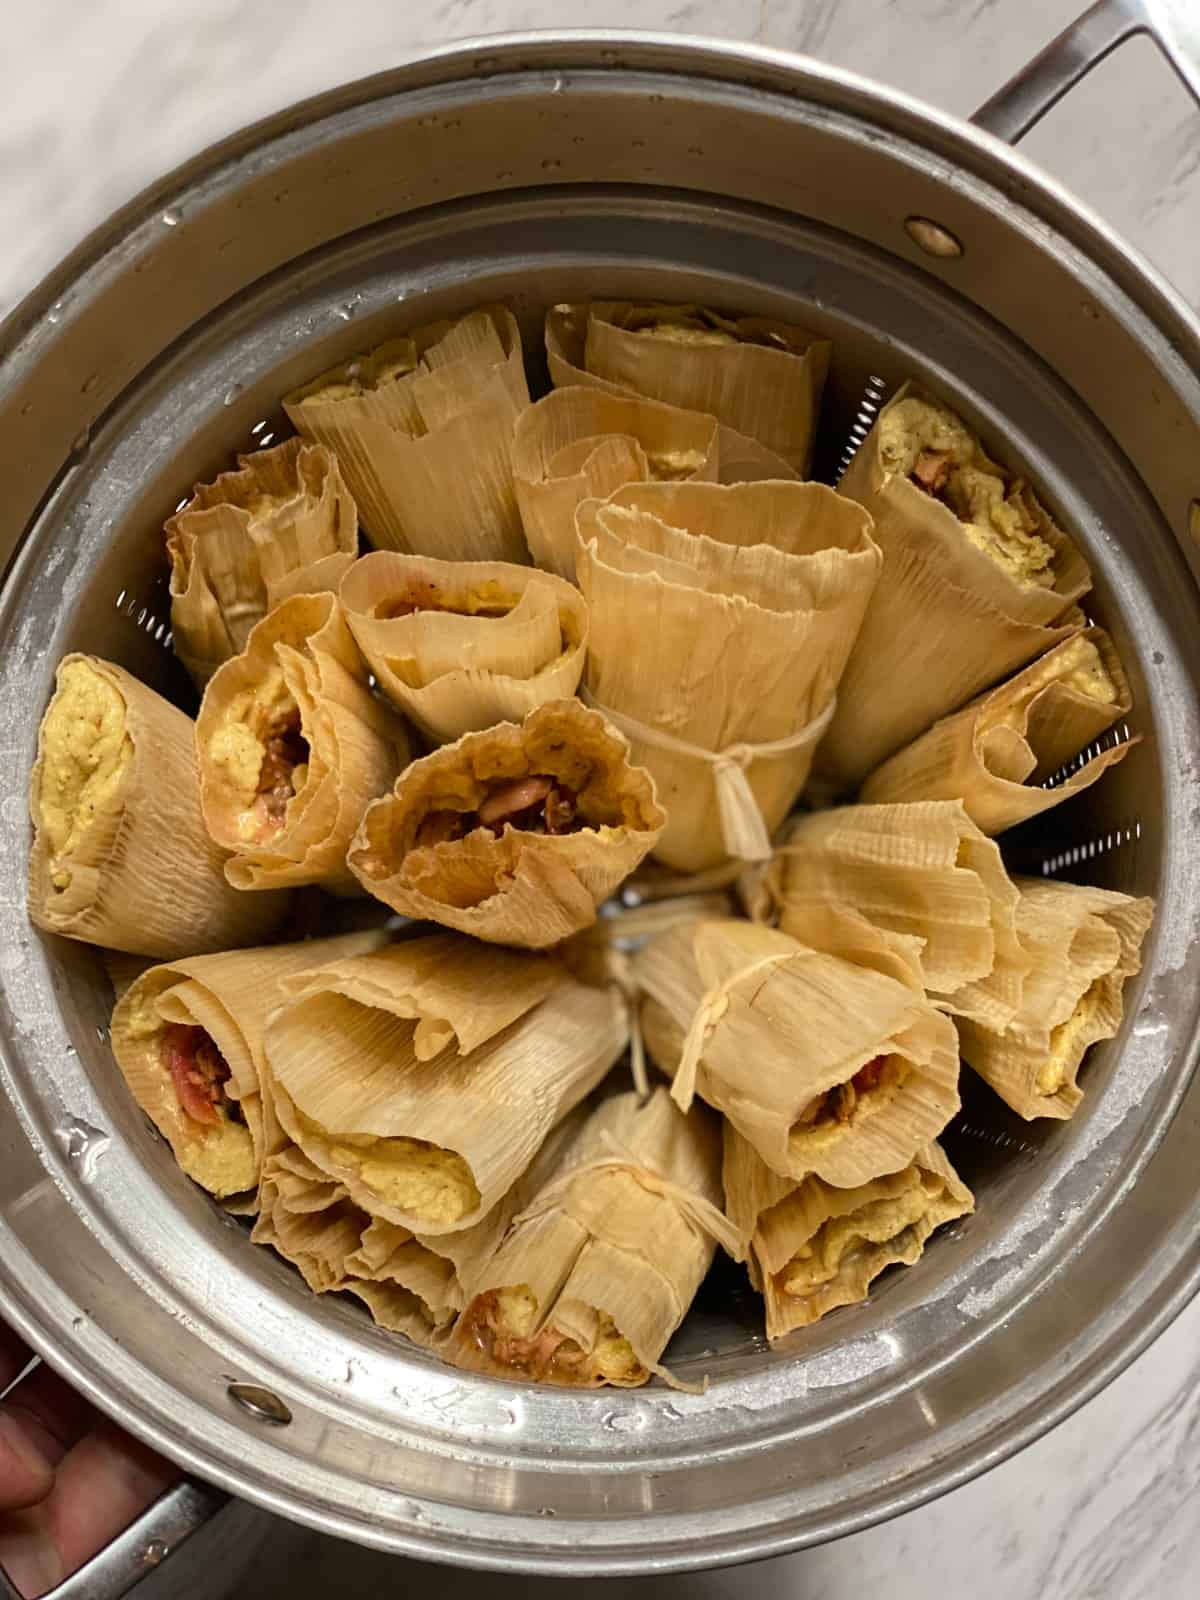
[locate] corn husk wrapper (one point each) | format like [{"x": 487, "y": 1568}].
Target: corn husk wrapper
[
  {"x": 595, "y": 1276},
  {"x": 762, "y": 1027},
  {"x": 1084, "y": 943},
  {"x": 756, "y": 635},
  {"x": 230, "y": 996},
  {"x": 763, "y": 381},
  {"x": 944, "y": 623},
  {"x": 813, "y": 1248},
  {"x": 994, "y": 754},
  {"x": 412, "y": 1284},
  {"x": 499, "y": 640},
  {"x": 284, "y": 523},
  {"x": 426, "y": 1077},
  {"x": 582, "y": 444},
  {"x": 422, "y": 429},
  {"x": 520, "y": 888},
  {"x": 305, "y": 652},
  {"x": 133, "y": 867},
  {"x": 922, "y": 869}
]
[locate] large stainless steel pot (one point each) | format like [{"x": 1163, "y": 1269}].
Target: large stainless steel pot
[{"x": 534, "y": 170}]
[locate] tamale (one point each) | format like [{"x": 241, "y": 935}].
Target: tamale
[
  {"x": 995, "y": 753},
  {"x": 1084, "y": 943},
  {"x": 284, "y": 523},
  {"x": 812, "y": 1247},
  {"x": 838, "y": 1066},
  {"x": 292, "y": 746},
  {"x": 422, "y": 429},
  {"x": 121, "y": 856},
  {"x": 977, "y": 580},
  {"x": 595, "y": 1276},
  {"x": 460, "y": 646},
  {"x": 425, "y": 1077},
  {"x": 514, "y": 834}
]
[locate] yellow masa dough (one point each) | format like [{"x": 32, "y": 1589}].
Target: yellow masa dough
[
  {"x": 85, "y": 754},
  {"x": 421, "y": 1179},
  {"x": 1063, "y": 1040},
  {"x": 993, "y": 512}
]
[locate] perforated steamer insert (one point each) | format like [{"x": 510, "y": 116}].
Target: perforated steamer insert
[{"x": 535, "y": 171}]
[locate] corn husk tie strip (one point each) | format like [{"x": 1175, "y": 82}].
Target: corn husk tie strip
[
  {"x": 714, "y": 1003},
  {"x": 484, "y": 642},
  {"x": 995, "y": 752},
  {"x": 121, "y": 856},
  {"x": 743, "y": 828},
  {"x": 422, "y": 429},
  {"x": 284, "y": 523}
]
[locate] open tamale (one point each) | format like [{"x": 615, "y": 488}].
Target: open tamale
[
  {"x": 977, "y": 580},
  {"x": 187, "y": 1037},
  {"x": 514, "y": 834},
  {"x": 1002, "y": 754},
  {"x": 121, "y": 856},
  {"x": 292, "y": 747}
]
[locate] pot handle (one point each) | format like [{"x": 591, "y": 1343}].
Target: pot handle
[
  {"x": 1174, "y": 25},
  {"x": 134, "y": 1554}
]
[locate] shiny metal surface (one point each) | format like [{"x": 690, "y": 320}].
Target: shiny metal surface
[
  {"x": 533, "y": 171},
  {"x": 1174, "y": 25}
]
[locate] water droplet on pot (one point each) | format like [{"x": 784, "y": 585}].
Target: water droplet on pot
[
  {"x": 558, "y": 85},
  {"x": 84, "y": 1145},
  {"x": 231, "y": 394},
  {"x": 624, "y": 1421},
  {"x": 154, "y": 1552},
  {"x": 172, "y": 217},
  {"x": 56, "y": 311}
]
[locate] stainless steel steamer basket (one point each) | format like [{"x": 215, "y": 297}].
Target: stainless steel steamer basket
[{"x": 535, "y": 170}]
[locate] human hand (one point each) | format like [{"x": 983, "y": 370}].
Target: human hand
[{"x": 70, "y": 1480}]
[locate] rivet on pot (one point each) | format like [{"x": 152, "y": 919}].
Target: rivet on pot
[
  {"x": 1194, "y": 520},
  {"x": 933, "y": 238},
  {"x": 260, "y": 1403}
]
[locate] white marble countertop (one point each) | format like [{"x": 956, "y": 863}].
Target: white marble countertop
[{"x": 100, "y": 99}]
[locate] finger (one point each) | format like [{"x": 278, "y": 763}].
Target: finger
[
  {"x": 40, "y": 1419},
  {"x": 102, "y": 1484}
]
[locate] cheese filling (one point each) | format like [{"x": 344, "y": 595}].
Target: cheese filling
[
  {"x": 839, "y": 1242},
  {"x": 930, "y": 446}
]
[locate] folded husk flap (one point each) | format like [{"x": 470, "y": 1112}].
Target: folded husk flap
[
  {"x": 229, "y": 996},
  {"x": 1084, "y": 943},
  {"x": 415, "y": 1284},
  {"x": 946, "y": 620},
  {"x": 922, "y": 869},
  {"x": 425, "y": 1077},
  {"x": 284, "y": 523},
  {"x": 515, "y": 887},
  {"x": 753, "y": 594},
  {"x": 761, "y": 378},
  {"x": 292, "y": 747},
  {"x": 422, "y": 428},
  {"x": 581, "y": 444},
  {"x": 460, "y": 646},
  {"x": 813, "y": 1248},
  {"x": 595, "y": 1276},
  {"x": 120, "y": 855},
  {"x": 998, "y": 754},
  {"x": 832, "y": 1065}
]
